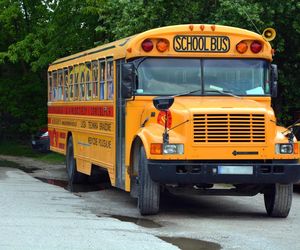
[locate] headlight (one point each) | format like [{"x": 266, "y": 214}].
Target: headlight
[
  {"x": 284, "y": 148},
  {"x": 171, "y": 149},
  {"x": 166, "y": 149}
]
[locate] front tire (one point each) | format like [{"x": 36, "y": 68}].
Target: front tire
[
  {"x": 74, "y": 177},
  {"x": 148, "y": 190},
  {"x": 278, "y": 200}
]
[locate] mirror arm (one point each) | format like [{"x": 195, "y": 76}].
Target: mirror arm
[{"x": 166, "y": 134}]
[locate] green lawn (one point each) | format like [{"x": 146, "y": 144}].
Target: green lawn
[
  {"x": 18, "y": 149},
  {"x": 9, "y": 164}
]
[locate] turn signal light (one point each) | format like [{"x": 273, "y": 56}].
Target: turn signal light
[
  {"x": 256, "y": 47},
  {"x": 147, "y": 45},
  {"x": 296, "y": 148},
  {"x": 162, "y": 45},
  {"x": 242, "y": 47},
  {"x": 156, "y": 149}
]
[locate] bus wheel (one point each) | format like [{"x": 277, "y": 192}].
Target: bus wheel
[
  {"x": 74, "y": 177},
  {"x": 278, "y": 200},
  {"x": 148, "y": 190}
]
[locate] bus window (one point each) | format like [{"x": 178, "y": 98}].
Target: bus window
[
  {"x": 239, "y": 76},
  {"x": 102, "y": 80},
  {"x": 71, "y": 82},
  {"x": 110, "y": 80},
  {"x": 169, "y": 76},
  {"x": 60, "y": 85},
  {"x": 88, "y": 81},
  {"x": 66, "y": 84},
  {"x": 95, "y": 78},
  {"x": 82, "y": 82},
  {"x": 76, "y": 82},
  {"x": 50, "y": 86},
  {"x": 54, "y": 83}
]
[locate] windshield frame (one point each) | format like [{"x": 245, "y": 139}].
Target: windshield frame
[{"x": 266, "y": 77}]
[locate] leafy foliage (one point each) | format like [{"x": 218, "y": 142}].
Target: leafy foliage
[{"x": 36, "y": 32}]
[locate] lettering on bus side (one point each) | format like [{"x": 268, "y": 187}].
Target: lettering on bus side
[
  {"x": 209, "y": 44},
  {"x": 93, "y": 125},
  {"x": 105, "y": 126},
  {"x": 102, "y": 126},
  {"x": 56, "y": 121},
  {"x": 99, "y": 142}
]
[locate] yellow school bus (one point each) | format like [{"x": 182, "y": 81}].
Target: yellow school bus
[{"x": 185, "y": 108}]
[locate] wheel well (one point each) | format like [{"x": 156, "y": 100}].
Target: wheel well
[
  {"x": 99, "y": 175},
  {"x": 135, "y": 144}
]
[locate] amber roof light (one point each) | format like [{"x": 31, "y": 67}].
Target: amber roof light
[{"x": 242, "y": 47}]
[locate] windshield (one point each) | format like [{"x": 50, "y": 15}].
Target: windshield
[{"x": 173, "y": 76}]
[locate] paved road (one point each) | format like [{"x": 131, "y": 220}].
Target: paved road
[
  {"x": 232, "y": 222},
  {"x": 35, "y": 215}
]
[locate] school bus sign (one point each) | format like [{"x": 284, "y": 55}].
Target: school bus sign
[{"x": 207, "y": 44}]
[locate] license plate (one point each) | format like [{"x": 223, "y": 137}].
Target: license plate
[
  {"x": 33, "y": 142},
  {"x": 247, "y": 170}
]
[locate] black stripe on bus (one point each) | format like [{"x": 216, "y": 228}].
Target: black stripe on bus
[
  {"x": 122, "y": 44},
  {"x": 86, "y": 54}
]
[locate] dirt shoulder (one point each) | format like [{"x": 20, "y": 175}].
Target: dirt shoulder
[{"x": 38, "y": 168}]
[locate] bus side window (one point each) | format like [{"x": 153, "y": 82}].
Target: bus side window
[
  {"x": 54, "y": 84},
  {"x": 82, "y": 82},
  {"x": 76, "y": 82},
  {"x": 102, "y": 80},
  {"x": 71, "y": 82},
  {"x": 88, "y": 81},
  {"x": 66, "y": 84},
  {"x": 110, "y": 80},
  {"x": 95, "y": 77},
  {"x": 50, "y": 87},
  {"x": 60, "y": 85}
]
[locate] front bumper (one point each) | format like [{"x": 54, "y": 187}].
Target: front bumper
[{"x": 196, "y": 172}]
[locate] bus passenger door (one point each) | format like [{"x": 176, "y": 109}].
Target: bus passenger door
[{"x": 120, "y": 129}]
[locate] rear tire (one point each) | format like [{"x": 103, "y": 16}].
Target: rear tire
[
  {"x": 278, "y": 200},
  {"x": 148, "y": 190},
  {"x": 74, "y": 177}
]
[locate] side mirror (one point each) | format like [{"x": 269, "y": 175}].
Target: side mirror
[
  {"x": 163, "y": 103},
  {"x": 128, "y": 80},
  {"x": 274, "y": 79}
]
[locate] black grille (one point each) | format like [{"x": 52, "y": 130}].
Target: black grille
[{"x": 244, "y": 128}]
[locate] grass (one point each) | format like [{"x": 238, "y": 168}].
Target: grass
[
  {"x": 52, "y": 158},
  {"x": 9, "y": 164},
  {"x": 12, "y": 148}
]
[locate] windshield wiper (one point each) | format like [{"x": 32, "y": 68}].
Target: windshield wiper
[
  {"x": 188, "y": 93},
  {"x": 224, "y": 92}
]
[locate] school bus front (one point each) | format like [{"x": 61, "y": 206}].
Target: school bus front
[
  {"x": 211, "y": 120},
  {"x": 184, "y": 107}
]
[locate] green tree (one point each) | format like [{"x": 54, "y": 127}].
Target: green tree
[{"x": 35, "y": 33}]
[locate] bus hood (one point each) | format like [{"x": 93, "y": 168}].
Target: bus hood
[{"x": 219, "y": 104}]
